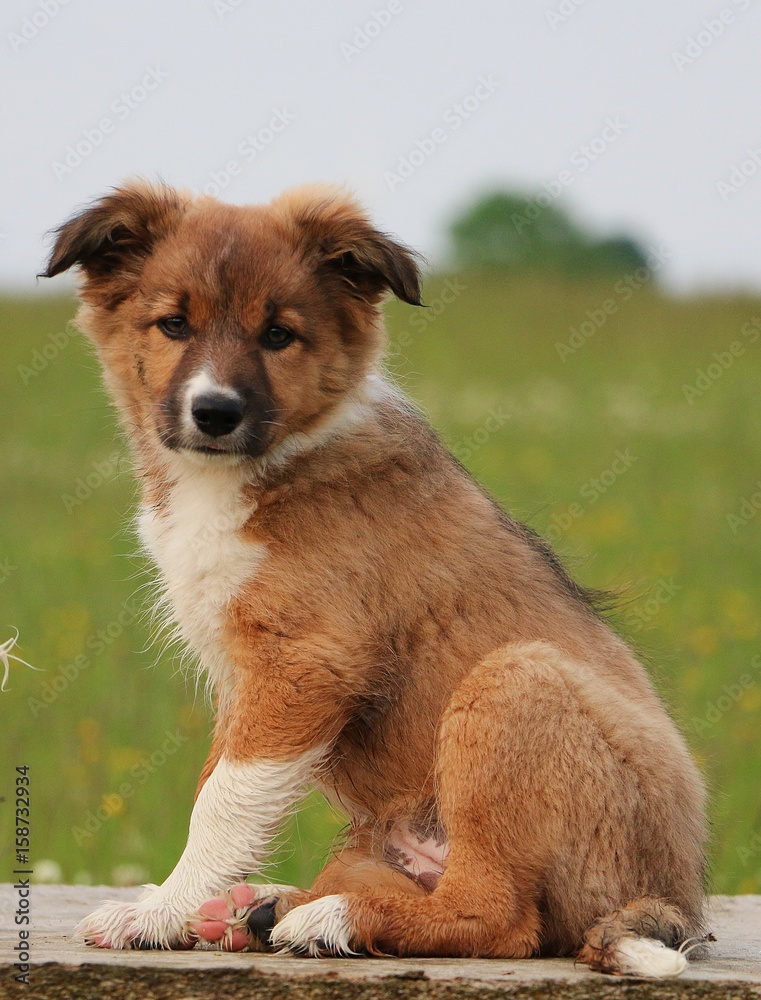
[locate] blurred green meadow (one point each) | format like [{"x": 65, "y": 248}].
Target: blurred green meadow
[{"x": 633, "y": 444}]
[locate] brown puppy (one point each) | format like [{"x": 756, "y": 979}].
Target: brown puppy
[{"x": 369, "y": 619}]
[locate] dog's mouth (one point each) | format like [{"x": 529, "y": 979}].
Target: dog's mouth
[
  {"x": 212, "y": 448},
  {"x": 238, "y": 446},
  {"x": 201, "y": 455},
  {"x": 239, "y": 450}
]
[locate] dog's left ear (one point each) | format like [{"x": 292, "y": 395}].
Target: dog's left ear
[
  {"x": 339, "y": 234},
  {"x": 110, "y": 240}
]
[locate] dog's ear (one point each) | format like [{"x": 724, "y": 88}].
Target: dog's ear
[
  {"x": 339, "y": 234},
  {"x": 112, "y": 238}
]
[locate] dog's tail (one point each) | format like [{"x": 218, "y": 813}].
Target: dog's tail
[{"x": 647, "y": 937}]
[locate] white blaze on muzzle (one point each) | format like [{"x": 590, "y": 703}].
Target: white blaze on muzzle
[{"x": 201, "y": 389}]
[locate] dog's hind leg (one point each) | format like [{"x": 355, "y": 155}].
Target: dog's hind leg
[
  {"x": 486, "y": 901},
  {"x": 360, "y": 870},
  {"x": 555, "y": 808}
]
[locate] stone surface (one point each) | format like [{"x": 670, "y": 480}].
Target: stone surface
[{"x": 63, "y": 968}]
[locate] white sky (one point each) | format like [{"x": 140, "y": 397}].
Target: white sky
[{"x": 222, "y": 76}]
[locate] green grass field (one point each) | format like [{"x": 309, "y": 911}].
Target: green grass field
[{"x": 640, "y": 488}]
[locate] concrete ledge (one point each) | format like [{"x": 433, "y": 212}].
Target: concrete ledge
[{"x": 63, "y": 969}]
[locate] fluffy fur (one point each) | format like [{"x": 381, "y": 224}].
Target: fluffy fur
[
  {"x": 317, "y": 928},
  {"x": 368, "y": 617}
]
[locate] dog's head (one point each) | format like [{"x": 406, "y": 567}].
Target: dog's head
[{"x": 224, "y": 329}]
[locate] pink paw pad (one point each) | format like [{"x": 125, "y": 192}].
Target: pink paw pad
[
  {"x": 221, "y": 920},
  {"x": 236, "y": 941},
  {"x": 242, "y": 895}
]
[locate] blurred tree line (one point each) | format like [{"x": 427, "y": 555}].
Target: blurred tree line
[{"x": 510, "y": 231}]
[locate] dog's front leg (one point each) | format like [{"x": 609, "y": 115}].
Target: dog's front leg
[
  {"x": 232, "y": 824},
  {"x": 275, "y": 739}
]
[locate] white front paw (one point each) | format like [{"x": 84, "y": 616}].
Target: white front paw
[
  {"x": 150, "y": 922},
  {"x": 318, "y": 929}
]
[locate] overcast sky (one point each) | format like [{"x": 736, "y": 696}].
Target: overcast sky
[{"x": 641, "y": 115}]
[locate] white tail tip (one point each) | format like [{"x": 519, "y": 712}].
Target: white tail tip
[{"x": 648, "y": 957}]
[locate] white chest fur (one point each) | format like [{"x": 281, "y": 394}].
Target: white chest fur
[{"x": 204, "y": 561}]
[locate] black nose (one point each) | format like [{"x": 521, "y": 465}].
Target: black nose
[{"x": 216, "y": 414}]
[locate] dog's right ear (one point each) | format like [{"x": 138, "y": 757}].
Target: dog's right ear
[
  {"x": 112, "y": 238},
  {"x": 342, "y": 240}
]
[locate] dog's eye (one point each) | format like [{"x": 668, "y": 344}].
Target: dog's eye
[
  {"x": 275, "y": 338},
  {"x": 173, "y": 326}
]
